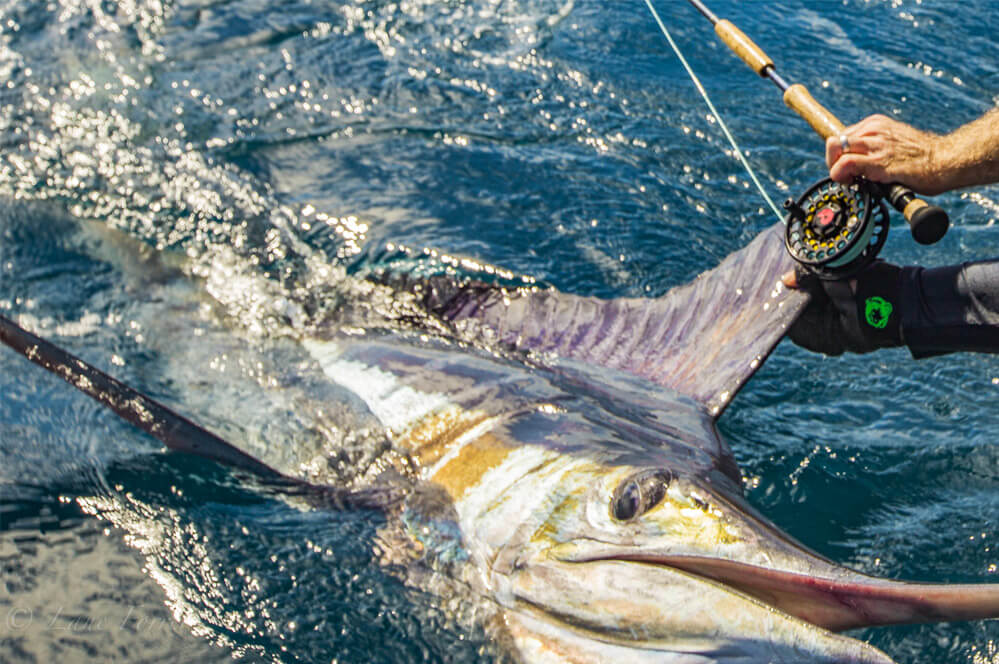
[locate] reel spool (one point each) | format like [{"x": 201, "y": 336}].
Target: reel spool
[{"x": 836, "y": 230}]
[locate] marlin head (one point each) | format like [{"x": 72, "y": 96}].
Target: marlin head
[{"x": 650, "y": 560}]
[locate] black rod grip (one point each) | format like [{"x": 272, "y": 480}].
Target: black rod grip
[{"x": 928, "y": 223}]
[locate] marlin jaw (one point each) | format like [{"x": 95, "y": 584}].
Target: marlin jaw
[
  {"x": 851, "y": 601},
  {"x": 702, "y": 567},
  {"x": 615, "y": 610}
]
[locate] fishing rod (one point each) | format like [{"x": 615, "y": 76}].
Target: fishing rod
[{"x": 835, "y": 230}]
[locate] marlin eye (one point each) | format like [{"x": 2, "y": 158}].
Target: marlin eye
[{"x": 639, "y": 493}]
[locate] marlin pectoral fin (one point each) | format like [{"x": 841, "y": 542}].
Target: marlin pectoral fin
[
  {"x": 176, "y": 431},
  {"x": 704, "y": 339},
  {"x": 173, "y": 430}
]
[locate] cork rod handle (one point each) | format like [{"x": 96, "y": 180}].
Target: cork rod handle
[
  {"x": 801, "y": 101},
  {"x": 743, "y": 46},
  {"x": 928, "y": 223}
]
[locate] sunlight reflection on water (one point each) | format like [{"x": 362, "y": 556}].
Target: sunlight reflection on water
[{"x": 272, "y": 152}]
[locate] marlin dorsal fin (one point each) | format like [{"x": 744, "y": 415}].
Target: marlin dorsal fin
[{"x": 704, "y": 339}]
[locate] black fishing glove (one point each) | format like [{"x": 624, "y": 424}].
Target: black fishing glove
[{"x": 858, "y": 315}]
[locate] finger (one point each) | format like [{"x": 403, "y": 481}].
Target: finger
[
  {"x": 790, "y": 279},
  {"x": 857, "y": 145},
  {"x": 856, "y": 127},
  {"x": 851, "y": 165},
  {"x": 834, "y": 149},
  {"x": 854, "y": 144}
]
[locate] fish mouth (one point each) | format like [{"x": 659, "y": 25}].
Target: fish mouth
[
  {"x": 838, "y": 600},
  {"x": 613, "y": 609}
]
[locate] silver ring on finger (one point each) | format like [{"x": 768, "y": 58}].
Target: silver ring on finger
[{"x": 844, "y": 143}]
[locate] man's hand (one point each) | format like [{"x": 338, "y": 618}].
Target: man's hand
[
  {"x": 885, "y": 150},
  {"x": 858, "y": 316}
]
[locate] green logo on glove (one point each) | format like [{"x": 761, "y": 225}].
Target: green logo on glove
[{"x": 877, "y": 311}]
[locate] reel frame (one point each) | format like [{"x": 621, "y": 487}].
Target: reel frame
[{"x": 834, "y": 230}]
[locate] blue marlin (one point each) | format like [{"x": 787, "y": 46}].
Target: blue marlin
[{"x": 558, "y": 457}]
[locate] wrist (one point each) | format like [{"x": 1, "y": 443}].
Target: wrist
[
  {"x": 879, "y": 314},
  {"x": 950, "y": 308}
]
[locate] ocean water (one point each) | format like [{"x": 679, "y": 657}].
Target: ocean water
[{"x": 184, "y": 184}]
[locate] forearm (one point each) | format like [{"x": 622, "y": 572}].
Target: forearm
[
  {"x": 969, "y": 155},
  {"x": 954, "y": 308}
]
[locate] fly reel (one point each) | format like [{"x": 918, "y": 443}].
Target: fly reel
[{"x": 836, "y": 230}]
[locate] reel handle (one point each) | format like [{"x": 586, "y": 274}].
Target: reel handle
[{"x": 928, "y": 223}]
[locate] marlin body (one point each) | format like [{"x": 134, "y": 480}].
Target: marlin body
[
  {"x": 564, "y": 466},
  {"x": 571, "y": 471},
  {"x": 523, "y": 481}
]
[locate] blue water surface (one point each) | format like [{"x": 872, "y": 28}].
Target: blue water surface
[{"x": 184, "y": 183}]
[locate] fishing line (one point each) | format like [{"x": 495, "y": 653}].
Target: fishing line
[
  {"x": 714, "y": 111},
  {"x": 834, "y": 229}
]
